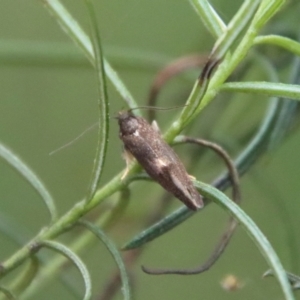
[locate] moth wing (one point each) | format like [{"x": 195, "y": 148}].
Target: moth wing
[
  {"x": 167, "y": 169},
  {"x": 158, "y": 167},
  {"x": 181, "y": 186},
  {"x": 173, "y": 179},
  {"x": 189, "y": 194}
]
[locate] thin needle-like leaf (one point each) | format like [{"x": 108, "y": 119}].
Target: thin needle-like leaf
[
  {"x": 102, "y": 103},
  {"x": 7, "y": 293},
  {"x": 115, "y": 254},
  {"x": 110, "y": 217},
  {"x": 209, "y": 17},
  {"x": 27, "y": 276},
  {"x": 68, "y": 253},
  {"x": 253, "y": 231},
  {"x": 237, "y": 24},
  {"x": 13, "y": 230},
  {"x": 285, "y": 90},
  {"x": 31, "y": 177},
  {"x": 76, "y": 33},
  {"x": 61, "y": 54}
]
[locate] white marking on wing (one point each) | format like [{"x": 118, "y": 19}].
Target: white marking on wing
[
  {"x": 136, "y": 133},
  {"x": 155, "y": 126},
  {"x": 161, "y": 162}
]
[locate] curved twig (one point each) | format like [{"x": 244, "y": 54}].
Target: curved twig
[{"x": 168, "y": 72}]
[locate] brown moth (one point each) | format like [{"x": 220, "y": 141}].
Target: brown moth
[{"x": 144, "y": 142}]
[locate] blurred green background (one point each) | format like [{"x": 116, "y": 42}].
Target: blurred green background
[{"x": 47, "y": 101}]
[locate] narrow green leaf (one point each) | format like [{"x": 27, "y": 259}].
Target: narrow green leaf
[
  {"x": 27, "y": 276},
  {"x": 159, "y": 228},
  {"x": 228, "y": 65},
  {"x": 267, "y": 10},
  {"x": 281, "y": 41},
  {"x": 115, "y": 254},
  {"x": 209, "y": 17},
  {"x": 7, "y": 293},
  {"x": 80, "y": 38},
  {"x": 52, "y": 54},
  {"x": 82, "y": 242},
  {"x": 253, "y": 231},
  {"x": 13, "y": 230},
  {"x": 285, "y": 90},
  {"x": 31, "y": 177},
  {"x": 68, "y": 253},
  {"x": 102, "y": 103}
]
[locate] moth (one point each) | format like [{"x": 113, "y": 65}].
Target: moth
[{"x": 144, "y": 142}]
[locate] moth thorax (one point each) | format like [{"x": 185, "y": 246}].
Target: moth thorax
[{"x": 128, "y": 124}]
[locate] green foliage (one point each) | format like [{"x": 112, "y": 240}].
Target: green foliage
[{"x": 234, "y": 50}]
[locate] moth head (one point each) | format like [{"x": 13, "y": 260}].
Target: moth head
[{"x": 128, "y": 122}]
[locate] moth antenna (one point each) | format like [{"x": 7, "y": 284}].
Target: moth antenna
[
  {"x": 156, "y": 108},
  {"x": 74, "y": 140}
]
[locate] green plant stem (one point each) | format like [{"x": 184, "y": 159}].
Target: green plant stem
[
  {"x": 52, "y": 54},
  {"x": 115, "y": 254},
  {"x": 83, "y": 241},
  {"x": 25, "y": 278},
  {"x": 209, "y": 17},
  {"x": 68, "y": 220},
  {"x": 237, "y": 24},
  {"x": 226, "y": 68}
]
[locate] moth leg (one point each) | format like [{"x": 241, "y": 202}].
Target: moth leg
[
  {"x": 128, "y": 159},
  {"x": 192, "y": 177}
]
